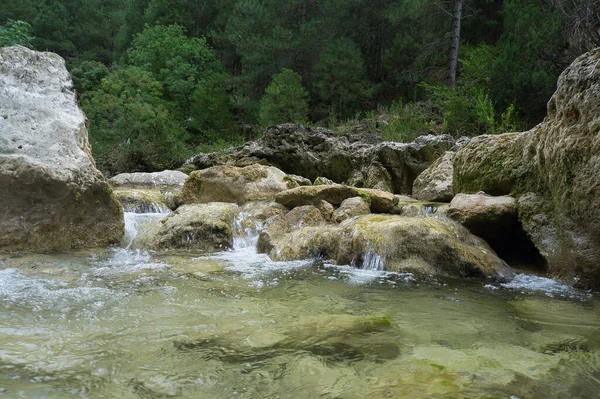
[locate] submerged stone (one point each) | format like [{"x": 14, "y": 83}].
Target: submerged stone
[{"x": 205, "y": 227}]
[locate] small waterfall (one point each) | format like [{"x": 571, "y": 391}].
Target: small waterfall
[
  {"x": 145, "y": 207},
  {"x": 370, "y": 261},
  {"x": 245, "y": 231},
  {"x": 134, "y": 221}
]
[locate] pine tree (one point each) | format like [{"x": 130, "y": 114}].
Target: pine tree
[{"x": 285, "y": 100}]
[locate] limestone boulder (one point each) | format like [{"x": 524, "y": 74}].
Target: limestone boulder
[
  {"x": 405, "y": 161},
  {"x": 279, "y": 226},
  {"x": 355, "y": 160},
  {"x": 424, "y": 245},
  {"x": 204, "y": 227},
  {"x": 351, "y": 207},
  {"x": 52, "y": 197},
  {"x": 435, "y": 183},
  {"x": 552, "y": 170},
  {"x": 165, "y": 180},
  {"x": 234, "y": 184},
  {"x": 481, "y": 213}
]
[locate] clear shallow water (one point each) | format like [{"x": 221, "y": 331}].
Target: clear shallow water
[{"x": 120, "y": 323}]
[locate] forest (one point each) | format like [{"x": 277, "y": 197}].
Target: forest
[{"x": 160, "y": 80}]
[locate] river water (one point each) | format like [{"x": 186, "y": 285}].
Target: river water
[{"x": 122, "y": 323}]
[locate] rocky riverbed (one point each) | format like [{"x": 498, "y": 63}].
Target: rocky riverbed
[{"x": 305, "y": 264}]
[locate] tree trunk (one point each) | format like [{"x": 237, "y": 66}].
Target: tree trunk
[{"x": 456, "y": 17}]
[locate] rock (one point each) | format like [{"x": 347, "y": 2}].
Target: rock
[
  {"x": 299, "y": 180},
  {"x": 312, "y": 195},
  {"x": 351, "y": 207},
  {"x": 481, "y": 212},
  {"x": 372, "y": 176},
  {"x": 205, "y": 227},
  {"x": 386, "y": 242},
  {"x": 323, "y": 181},
  {"x": 420, "y": 209},
  {"x": 142, "y": 201},
  {"x": 326, "y": 210},
  {"x": 552, "y": 170},
  {"x": 435, "y": 183},
  {"x": 321, "y": 335},
  {"x": 318, "y": 152},
  {"x": 405, "y": 161},
  {"x": 167, "y": 179},
  {"x": 283, "y": 224},
  {"x": 379, "y": 201},
  {"x": 52, "y": 197},
  {"x": 234, "y": 184},
  {"x": 425, "y": 245}
]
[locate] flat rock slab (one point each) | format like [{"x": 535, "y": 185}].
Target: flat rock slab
[
  {"x": 379, "y": 201},
  {"x": 162, "y": 180}
]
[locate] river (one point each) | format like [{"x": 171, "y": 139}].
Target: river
[{"x": 122, "y": 323}]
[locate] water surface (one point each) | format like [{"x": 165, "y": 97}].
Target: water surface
[{"x": 120, "y": 323}]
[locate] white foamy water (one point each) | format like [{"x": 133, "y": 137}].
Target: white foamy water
[
  {"x": 134, "y": 222},
  {"x": 19, "y": 289},
  {"x": 532, "y": 283},
  {"x": 245, "y": 231}
]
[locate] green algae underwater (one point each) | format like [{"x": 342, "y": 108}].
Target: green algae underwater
[{"x": 122, "y": 323}]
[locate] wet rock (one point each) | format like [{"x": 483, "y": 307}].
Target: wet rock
[
  {"x": 420, "y": 209},
  {"x": 234, "y": 184},
  {"x": 425, "y": 245},
  {"x": 277, "y": 227},
  {"x": 205, "y": 227},
  {"x": 167, "y": 179},
  {"x": 556, "y": 165},
  {"x": 324, "y": 335},
  {"x": 52, "y": 197},
  {"x": 351, "y": 207},
  {"x": 435, "y": 183},
  {"x": 142, "y": 201}
]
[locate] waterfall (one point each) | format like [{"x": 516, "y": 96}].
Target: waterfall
[
  {"x": 134, "y": 221},
  {"x": 245, "y": 231},
  {"x": 371, "y": 261}
]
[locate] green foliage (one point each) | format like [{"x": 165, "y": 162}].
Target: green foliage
[
  {"x": 52, "y": 28},
  {"x": 131, "y": 128},
  {"x": 285, "y": 100},
  {"x": 87, "y": 76},
  {"x": 469, "y": 111},
  {"x": 404, "y": 123},
  {"x": 340, "y": 78},
  {"x": 529, "y": 57},
  {"x": 15, "y": 33},
  {"x": 178, "y": 62},
  {"x": 210, "y": 116}
]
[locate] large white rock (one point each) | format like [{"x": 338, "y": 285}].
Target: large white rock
[{"x": 52, "y": 197}]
